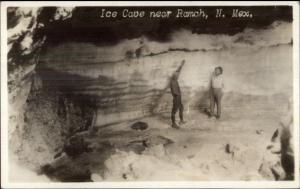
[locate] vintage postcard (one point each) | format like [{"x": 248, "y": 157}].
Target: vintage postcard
[{"x": 150, "y": 94}]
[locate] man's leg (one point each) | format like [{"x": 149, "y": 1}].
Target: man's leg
[
  {"x": 181, "y": 110},
  {"x": 212, "y": 102},
  {"x": 174, "y": 110}
]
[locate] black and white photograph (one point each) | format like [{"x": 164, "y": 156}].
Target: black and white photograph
[{"x": 105, "y": 94}]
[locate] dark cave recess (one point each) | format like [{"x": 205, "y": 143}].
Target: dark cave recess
[{"x": 87, "y": 25}]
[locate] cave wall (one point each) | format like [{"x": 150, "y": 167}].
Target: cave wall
[
  {"x": 128, "y": 88},
  {"x": 24, "y": 43},
  {"x": 34, "y": 129},
  {"x": 129, "y": 79}
]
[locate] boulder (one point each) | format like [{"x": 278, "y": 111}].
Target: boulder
[{"x": 139, "y": 126}]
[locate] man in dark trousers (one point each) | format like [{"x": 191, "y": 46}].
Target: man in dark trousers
[{"x": 177, "y": 104}]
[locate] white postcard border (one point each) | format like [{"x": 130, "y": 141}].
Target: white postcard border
[{"x": 205, "y": 184}]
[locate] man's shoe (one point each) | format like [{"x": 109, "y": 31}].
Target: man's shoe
[
  {"x": 218, "y": 117},
  {"x": 182, "y": 122},
  {"x": 175, "y": 126}
]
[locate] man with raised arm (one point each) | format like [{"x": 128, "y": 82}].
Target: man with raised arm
[{"x": 177, "y": 104}]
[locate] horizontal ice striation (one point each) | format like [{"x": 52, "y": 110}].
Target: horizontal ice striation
[{"x": 136, "y": 87}]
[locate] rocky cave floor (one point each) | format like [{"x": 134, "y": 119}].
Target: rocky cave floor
[{"x": 232, "y": 148}]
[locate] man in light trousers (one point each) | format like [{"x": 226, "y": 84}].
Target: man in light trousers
[{"x": 216, "y": 91}]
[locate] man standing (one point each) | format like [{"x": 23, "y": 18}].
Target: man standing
[
  {"x": 177, "y": 104},
  {"x": 216, "y": 91}
]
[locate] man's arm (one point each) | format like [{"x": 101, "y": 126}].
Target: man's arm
[
  {"x": 210, "y": 82},
  {"x": 222, "y": 84}
]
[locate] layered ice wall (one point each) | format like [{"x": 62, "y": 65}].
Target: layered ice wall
[{"x": 131, "y": 79}]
